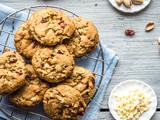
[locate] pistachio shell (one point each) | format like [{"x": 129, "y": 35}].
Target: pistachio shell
[
  {"x": 127, "y": 3},
  {"x": 137, "y": 2},
  {"x": 150, "y": 26},
  {"x": 119, "y": 2}
]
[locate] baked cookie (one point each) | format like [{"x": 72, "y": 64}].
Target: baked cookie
[
  {"x": 24, "y": 42},
  {"x": 31, "y": 94},
  {"x": 83, "y": 81},
  {"x": 53, "y": 64},
  {"x": 85, "y": 38},
  {"x": 12, "y": 72},
  {"x": 50, "y": 27},
  {"x": 63, "y": 103}
]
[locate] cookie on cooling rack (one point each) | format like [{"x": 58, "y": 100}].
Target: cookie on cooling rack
[
  {"x": 63, "y": 103},
  {"x": 31, "y": 94},
  {"x": 12, "y": 72},
  {"x": 24, "y": 42},
  {"x": 85, "y": 38},
  {"x": 53, "y": 64},
  {"x": 83, "y": 81},
  {"x": 50, "y": 27}
]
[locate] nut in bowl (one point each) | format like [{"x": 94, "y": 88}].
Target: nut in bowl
[
  {"x": 130, "y": 6},
  {"x": 132, "y": 100}
]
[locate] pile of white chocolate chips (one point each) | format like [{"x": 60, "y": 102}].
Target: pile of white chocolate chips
[{"x": 132, "y": 105}]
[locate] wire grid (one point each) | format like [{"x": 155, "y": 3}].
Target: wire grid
[{"x": 91, "y": 62}]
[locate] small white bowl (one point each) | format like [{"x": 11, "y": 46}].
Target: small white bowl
[
  {"x": 132, "y": 9},
  {"x": 128, "y": 85}
]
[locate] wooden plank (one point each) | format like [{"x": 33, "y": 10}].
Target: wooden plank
[{"x": 108, "y": 116}]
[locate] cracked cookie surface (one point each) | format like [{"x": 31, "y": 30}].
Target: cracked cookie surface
[
  {"x": 50, "y": 27},
  {"x": 53, "y": 64},
  {"x": 24, "y": 42},
  {"x": 85, "y": 38},
  {"x": 32, "y": 93},
  {"x": 82, "y": 80},
  {"x": 63, "y": 103},
  {"x": 12, "y": 72}
]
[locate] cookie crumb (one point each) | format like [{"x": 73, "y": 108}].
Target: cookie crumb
[{"x": 6, "y": 50}]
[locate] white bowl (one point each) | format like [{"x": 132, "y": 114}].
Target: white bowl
[
  {"x": 132, "y": 9},
  {"x": 128, "y": 85}
]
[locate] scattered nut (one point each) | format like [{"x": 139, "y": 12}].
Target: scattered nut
[
  {"x": 150, "y": 26},
  {"x": 119, "y": 2},
  {"x": 158, "y": 40},
  {"x": 137, "y": 2}
]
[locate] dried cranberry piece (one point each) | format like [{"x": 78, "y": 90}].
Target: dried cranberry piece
[
  {"x": 44, "y": 20},
  {"x": 129, "y": 32},
  {"x": 62, "y": 24},
  {"x": 30, "y": 73},
  {"x": 12, "y": 59},
  {"x": 62, "y": 21}
]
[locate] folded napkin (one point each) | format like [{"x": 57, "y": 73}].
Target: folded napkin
[{"x": 110, "y": 61}]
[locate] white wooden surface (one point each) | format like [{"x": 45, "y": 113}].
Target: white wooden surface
[{"x": 139, "y": 55}]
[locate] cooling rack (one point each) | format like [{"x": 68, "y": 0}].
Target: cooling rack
[{"x": 92, "y": 62}]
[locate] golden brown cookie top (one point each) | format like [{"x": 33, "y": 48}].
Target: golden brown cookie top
[
  {"x": 50, "y": 27},
  {"x": 82, "y": 80},
  {"x": 32, "y": 92},
  {"x": 24, "y": 42},
  {"x": 64, "y": 102},
  {"x": 85, "y": 38},
  {"x": 53, "y": 64},
  {"x": 12, "y": 72}
]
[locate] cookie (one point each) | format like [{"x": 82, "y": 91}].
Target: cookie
[
  {"x": 82, "y": 80},
  {"x": 24, "y": 42},
  {"x": 85, "y": 38},
  {"x": 32, "y": 93},
  {"x": 53, "y": 64},
  {"x": 63, "y": 103},
  {"x": 12, "y": 72},
  {"x": 50, "y": 27}
]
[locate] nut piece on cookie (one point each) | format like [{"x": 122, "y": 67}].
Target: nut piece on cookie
[
  {"x": 50, "y": 27},
  {"x": 82, "y": 80},
  {"x": 53, "y": 64},
  {"x": 32, "y": 93},
  {"x": 63, "y": 103},
  {"x": 85, "y": 38},
  {"x": 24, "y": 42},
  {"x": 12, "y": 72}
]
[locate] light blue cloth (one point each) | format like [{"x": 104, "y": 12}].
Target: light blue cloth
[{"x": 110, "y": 61}]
